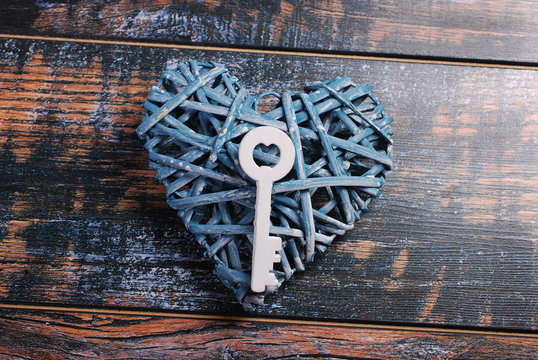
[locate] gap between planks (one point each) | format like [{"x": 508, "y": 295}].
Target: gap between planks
[
  {"x": 267, "y": 51},
  {"x": 209, "y": 317}
]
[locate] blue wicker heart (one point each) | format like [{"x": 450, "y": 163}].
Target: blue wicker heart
[{"x": 195, "y": 119}]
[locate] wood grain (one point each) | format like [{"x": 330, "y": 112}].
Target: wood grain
[
  {"x": 452, "y": 240},
  {"x": 53, "y": 335},
  {"x": 483, "y": 30}
]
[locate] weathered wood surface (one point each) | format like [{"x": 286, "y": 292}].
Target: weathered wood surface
[
  {"x": 67, "y": 335},
  {"x": 452, "y": 240},
  {"x": 486, "y": 30}
]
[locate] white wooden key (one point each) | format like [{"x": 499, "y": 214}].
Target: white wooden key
[{"x": 265, "y": 246}]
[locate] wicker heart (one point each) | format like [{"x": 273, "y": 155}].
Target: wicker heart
[{"x": 195, "y": 119}]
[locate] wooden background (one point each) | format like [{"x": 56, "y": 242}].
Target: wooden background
[{"x": 93, "y": 263}]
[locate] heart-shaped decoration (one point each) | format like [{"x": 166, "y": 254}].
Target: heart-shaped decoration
[{"x": 196, "y": 117}]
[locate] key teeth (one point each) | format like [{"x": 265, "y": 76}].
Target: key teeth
[
  {"x": 276, "y": 244},
  {"x": 271, "y": 280}
]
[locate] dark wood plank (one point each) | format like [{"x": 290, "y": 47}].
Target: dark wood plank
[
  {"x": 452, "y": 240},
  {"x": 66, "y": 335},
  {"x": 487, "y": 30}
]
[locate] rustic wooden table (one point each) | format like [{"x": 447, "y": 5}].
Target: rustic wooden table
[{"x": 94, "y": 264}]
